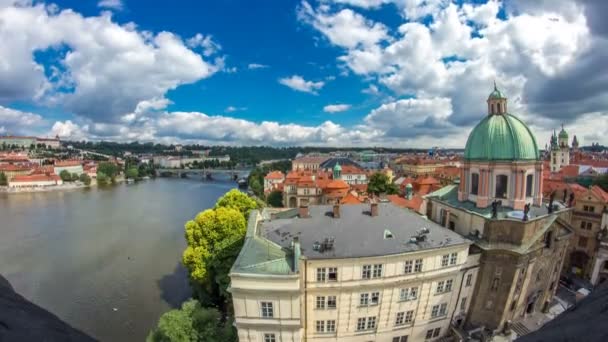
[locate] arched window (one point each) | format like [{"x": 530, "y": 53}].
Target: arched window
[
  {"x": 498, "y": 108},
  {"x": 529, "y": 184},
  {"x": 501, "y": 186},
  {"x": 492, "y": 108},
  {"x": 474, "y": 183}
]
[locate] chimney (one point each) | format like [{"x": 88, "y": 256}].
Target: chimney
[
  {"x": 374, "y": 209},
  {"x": 297, "y": 252},
  {"x": 303, "y": 211},
  {"x": 336, "y": 211}
]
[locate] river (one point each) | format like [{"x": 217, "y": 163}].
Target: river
[{"x": 107, "y": 260}]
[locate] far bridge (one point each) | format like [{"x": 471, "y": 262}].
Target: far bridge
[{"x": 233, "y": 174}]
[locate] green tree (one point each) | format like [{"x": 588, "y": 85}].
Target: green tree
[
  {"x": 193, "y": 323},
  {"x": 3, "y": 179},
  {"x": 380, "y": 183},
  {"x": 602, "y": 181},
  {"x": 74, "y": 177},
  {"x": 102, "y": 179},
  {"x": 65, "y": 176},
  {"x": 275, "y": 199},
  {"x": 132, "y": 173},
  {"x": 176, "y": 325},
  {"x": 110, "y": 170},
  {"x": 256, "y": 186},
  {"x": 211, "y": 231},
  {"x": 84, "y": 178},
  {"x": 238, "y": 200}
]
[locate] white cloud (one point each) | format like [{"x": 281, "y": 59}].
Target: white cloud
[
  {"x": 205, "y": 42},
  {"x": 372, "y": 89},
  {"x": 14, "y": 121},
  {"x": 296, "y": 82},
  {"x": 336, "y": 108},
  {"x": 231, "y": 109},
  {"x": 104, "y": 69},
  {"x": 252, "y": 66},
  {"x": 111, "y": 4}
]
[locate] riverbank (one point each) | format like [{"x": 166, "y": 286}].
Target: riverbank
[{"x": 63, "y": 187}]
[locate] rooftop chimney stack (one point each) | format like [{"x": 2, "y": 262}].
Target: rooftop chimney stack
[
  {"x": 374, "y": 209},
  {"x": 336, "y": 211},
  {"x": 303, "y": 211}
]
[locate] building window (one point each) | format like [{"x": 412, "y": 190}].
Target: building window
[
  {"x": 364, "y": 299},
  {"x": 320, "y": 302},
  {"x": 582, "y": 242},
  {"x": 529, "y": 184},
  {"x": 440, "y": 286},
  {"x": 331, "y": 325},
  {"x": 377, "y": 273},
  {"x": 366, "y": 272},
  {"x": 439, "y": 310},
  {"x": 453, "y": 258},
  {"x": 409, "y": 266},
  {"x": 474, "y": 183},
  {"x": 267, "y": 310},
  {"x": 418, "y": 265},
  {"x": 589, "y": 208},
  {"x": 501, "y": 186},
  {"x": 513, "y": 305},
  {"x": 270, "y": 338},
  {"x": 432, "y": 333},
  {"x": 404, "y": 317},
  {"x": 444, "y": 260},
  {"x": 366, "y": 323},
  {"x": 400, "y": 318},
  {"x": 586, "y": 225},
  {"x": 375, "y": 298},
  {"x": 463, "y": 304},
  {"x": 469, "y": 280},
  {"x": 320, "y": 326},
  {"x": 331, "y": 302},
  {"x": 408, "y": 294},
  {"x": 321, "y": 274},
  {"x": 495, "y": 284},
  {"x": 332, "y": 274},
  {"x": 448, "y": 285},
  {"x": 400, "y": 338},
  {"x": 444, "y": 286}
]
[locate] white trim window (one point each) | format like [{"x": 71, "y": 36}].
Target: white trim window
[
  {"x": 408, "y": 293},
  {"x": 366, "y": 272},
  {"x": 439, "y": 310},
  {"x": 408, "y": 267},
  {"x": 453, "y": 258},
  {"x": 444, "y": 260},
  {"x": 270, "y": 337},
  {"x": 324, "y": 327},
  {"x": 267, "y": 309},
  {"x": 377, "y": 273},
  {"x": 418, "y": 265}
]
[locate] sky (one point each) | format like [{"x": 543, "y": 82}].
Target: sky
[{"x": 396, "y": 73}]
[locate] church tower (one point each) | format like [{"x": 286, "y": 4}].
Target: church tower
[{"x": 560, "y": 151}]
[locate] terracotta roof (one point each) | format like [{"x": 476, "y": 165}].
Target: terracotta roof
[
  {"x": 569, "y": 171},
  {"x": 310, "y": 160},
  {"x": 403, "y": 202},
  {"x": 426, "y": 181},
  {"x": 10, "y": 167},
  {"x": 63, "y": 163},
  {"x": 337, "y": 184},
  {"x": 275, "y": 175},
  {"x": 35, "y": 178},
  {"x": 351, "y": 169},
  {"x": 350, "y": 199},
  {"x": 599, "y": 192}
]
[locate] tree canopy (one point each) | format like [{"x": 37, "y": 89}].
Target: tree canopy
[
  {"x": 193, "y": 323},
  {"x": 238, "y": 200},
  {"x": 110, "y": 170},
  {"x": 132, "y": 173},
  {"x": 85, "y": 179},
  {"x": 65, "y": 176},
  {"x": 3, "y": 179},
  {"x": 275, "y": 199},
  {"x": 380, "y": 183}
]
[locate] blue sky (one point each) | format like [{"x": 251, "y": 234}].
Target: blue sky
[{"x": 405, "y": 73}]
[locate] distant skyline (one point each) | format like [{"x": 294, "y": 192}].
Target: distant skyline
[{"x": 394, "y": 73}]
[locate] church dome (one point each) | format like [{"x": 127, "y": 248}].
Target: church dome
[
  {"x": 496, "y": 94},
  {"x": 563, "y": 134},
  {"x": 501, "y": 137}
]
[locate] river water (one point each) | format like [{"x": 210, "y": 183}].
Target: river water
[{"x": 107, "y": 260}]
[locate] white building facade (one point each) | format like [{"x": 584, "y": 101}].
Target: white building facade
[{"x": 301, "y": 293}]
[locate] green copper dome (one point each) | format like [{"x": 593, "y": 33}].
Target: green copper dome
[
  {"x": 496, "y": 94},
  {"x": 337, "y": 167},
  {"x": 563, "y": 134},
  {"x": 501, "y": 137}
]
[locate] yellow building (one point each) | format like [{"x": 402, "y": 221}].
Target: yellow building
[{"x": 350, "y": 273}]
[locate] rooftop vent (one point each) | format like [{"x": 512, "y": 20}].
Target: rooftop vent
[
  {"x": 326, "y": 245},
  {"x": 388, "y": 234}
]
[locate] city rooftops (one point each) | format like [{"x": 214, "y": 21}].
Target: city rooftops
[{"x": 353, "y": 231}]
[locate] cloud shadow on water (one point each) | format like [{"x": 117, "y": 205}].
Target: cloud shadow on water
[{"x": 174, "y": 287}]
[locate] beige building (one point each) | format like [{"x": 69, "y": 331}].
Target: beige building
[
  {"x": 308, "y": 163},
  {"x": 350, "y": 273},
  {"x": 588, "y": 219},
  {"x": 498, "y": 204}
]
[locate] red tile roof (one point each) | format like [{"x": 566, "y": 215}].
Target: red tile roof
[
  {"x": 64, "y": 163},
  {"x": 350, "y": 199},
  {"x": 13, "y": 168},
  {"x": 599, "y": 192},
  {"x": 35, "y": 178},
  {"x": 403, "y": 202},
  {"x": 275, "y": 175}
]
